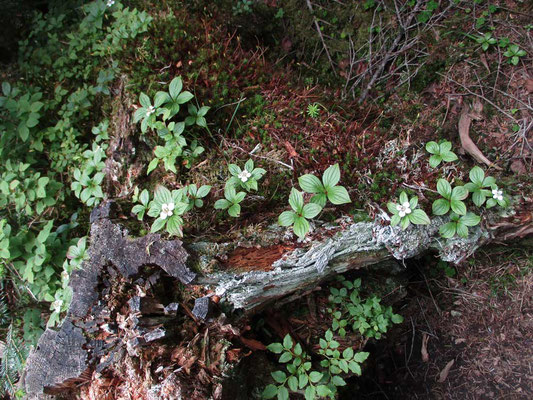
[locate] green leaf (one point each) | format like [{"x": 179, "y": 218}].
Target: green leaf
[
  {"x": 347, "y": 353},
  {"x": 440, "y": 206},
  {"x": 144, "y": 100},
  {"x": 175, "y": 87},
  {"x": 338, "y": 381},
  {"x": 270, "y": 391},
  {"x": 234, "y": 210},
  {"x": 283, "y": 393},
  {"x": 184, "y": 97},
  {"x": 392, "y": 208},
  {"x": 310, "y": 393},
  {"x": 323, "y": 391},
  {"x": 396, "y": 318},
  {"x": 162, "y": 195},
  {"x": 435, "y": 160},
  {"x": 361, "y": 356},
  {"x": 279, "y": 376},
  {"x": 222, "y": 204},
  {"x": 444, "y": 188},
  {"x": 302, "y": 381},
  {"x": 144, "y": 197},
  {"x": 311, "y": 210},
  {"x": 478, "y": 198},
  {"x": 293, "y": 383},
  {"x": 458, "y": 207},
  {"x": 419, "y": 217},
  {"x": 403, "y": 198},
  {"x": 310, "y": 184},
  {"x": 161, "y": 98},
  {"x": 413, "y": 202},
  {"x": 448, "y": 230},
  {"x": 286, "y": 218},
  {"x": 319, "y": 199},
  {"x": 153, "y": 165},
  {"x": 249, "y": 165},
  {"x": 287, "y": 342},
  {"x": 477, "y": 175},
  {"x": 449, "y": 156},
  {"x": 315, "y": 376},
  {"x": 338, "y": 195},
  {"x": 459, "y": 193},
  {"x": 276, "y": 348},
  {"x": 470, "y": 219},
  {"x": 331, "y": 176},
  {"x": 354, "y": 367},
  {"x": 432, "y": 147},
  {"x": 462, "y": 230},
  {"x": 174, "y": 224},
  {"x": 285, "y": 357},
  {"x": 404, "y": 223},
  {"x": 296, "y": 200},
  {"x": 395, "y": 220},
  {"x": 301, "y": 227},
  {"x": 157, "y": 225}
]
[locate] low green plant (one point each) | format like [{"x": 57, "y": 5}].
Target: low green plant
[
  {"x": 327, "y": 189},
  {"x": 459, "y": 225},
  {"x": 348, "y": 310},
  {"x": 144, "y": 199},
  {"x": 406, "y": 213},
  {"x": 486, "y": 40},
  {"x": 197, "y": 116},
  {"x": 313, "y": 110},
  {"x": 514, "y": 53},
  {"x": 498, "y": 198},
  {"x": 231, "y": 202},
  {"x": 14, "y": 354},
  {"x": 167, "y": 207},
  {"x": 297, "y": 218},
  {"x": 451, "y": 199},
  {"x": 478, "y": 184},
  {"x": 440, "y": 152},
  {"x": 302, "y": 377},
  {"x": 195, "y": 195},
  {"x": 171, "y": 100},
  {"x": 245, "y": 178}
]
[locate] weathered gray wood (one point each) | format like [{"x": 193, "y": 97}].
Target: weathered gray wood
[{"x": 61, "y": 357}]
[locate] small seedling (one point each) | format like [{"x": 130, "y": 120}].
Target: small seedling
[
  {"x": 231, "y": 201},
  {"x": 440, "y": 152},
  {"x": 327, "y": 189},
  {"x": 167, "y": 207},
  {"x": 300, "y": 214},
  {"x": 486, "y": 40},
  {"x": 247, "y": 177},
  {"x": 478, "y": 183},
  {"x": 514, "y": 53},
  {"x": 451, "y": 199},
  {"x": 459, "y": 225}
]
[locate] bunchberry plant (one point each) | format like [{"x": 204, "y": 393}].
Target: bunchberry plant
[
  {"x": 88, "y": 188},
  {"x": 147, "y": 113},
  {"x": 497, "y": 198},
  {"x": 197, "y": 116},
  {"x": 173, "y": 99},
  {"x": 167, "y": 207},
  {"x": 297, "y": 218},
  {"x": 478, "y": 185},
  {"x": 194, "y": 195},
  {"x": 247, "y": 177},
  {"x": 452, "y": 198},
  {"x": 231, "y": 202},
  {"x": 144, "y": 199},
  {"x": 514, "y": 53},
  {"x": 349, "y": 311},
  {"x": 459, "y": 225},
  {"x": 327, "y": 189},
  {"x": 486, "y": 40},
  {"x": 191, "y": 153},
  {"x": 440, "y": 152},
  {"x": 405, "y": 212}
]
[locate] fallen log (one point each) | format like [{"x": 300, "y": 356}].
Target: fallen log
[{"x": 121, "y": 321}]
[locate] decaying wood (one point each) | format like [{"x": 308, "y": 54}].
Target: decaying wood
[
  {"x": 62, "y": 357},
  {"x": 468, "y": 114}
]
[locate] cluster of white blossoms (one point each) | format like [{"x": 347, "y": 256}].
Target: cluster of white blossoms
[
  {"x": 150, "y": 111},
  {"x": 403, "y": 209},
  {"x": 56, "y": 305},
  {"x": 244, "y": 175},
  {"x": 497, "y": 194},
  {"x": 166, "y": 210},
  {"x": 110, "y": 3}
]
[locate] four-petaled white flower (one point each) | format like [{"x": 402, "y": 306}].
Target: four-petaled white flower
[
  {"x": 497, "y": 194},
  {"x": 166, "y": 210},
  {"x": 150, "y": 111},
  {"x": 403, "y": 209},
  {"x": 110, "y": 3},
  {"x": 244, "y": 175},
  {"x": 56, "y": 305}
]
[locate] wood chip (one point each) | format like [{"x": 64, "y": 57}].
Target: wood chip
[
  {"x": 444, "y": 373},
  {"x": 424, "y": 350}
]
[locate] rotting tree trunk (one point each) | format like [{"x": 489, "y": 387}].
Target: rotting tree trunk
[{"x": 117, "y": 316}]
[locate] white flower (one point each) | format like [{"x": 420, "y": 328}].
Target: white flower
[
  {"x": 110, "y": 3},
  {"x": 244, "y": 175},
  {"x": 64, "y": 275},
  {"x": 150, "y": 111},
  {"x": 166, "y": 210},
  {"x": 497, "y": 194},
  {"x": 403, "y": 209},
  {"x": 56, "y": 305}
]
